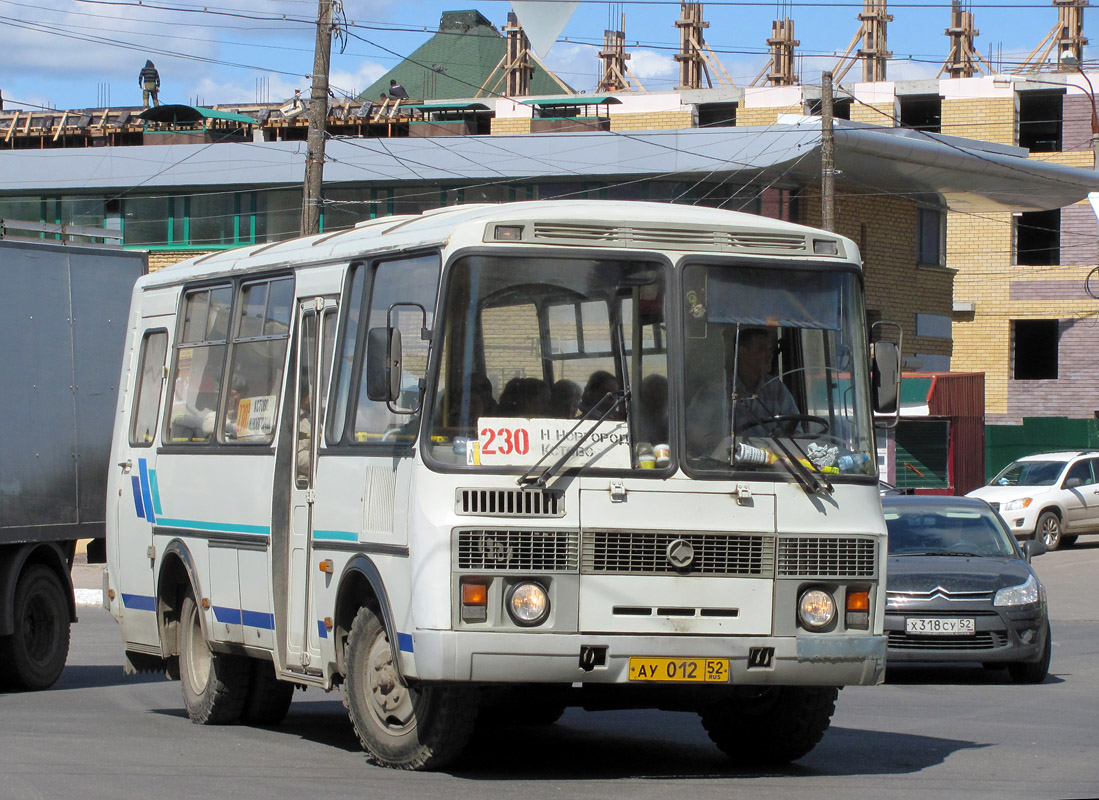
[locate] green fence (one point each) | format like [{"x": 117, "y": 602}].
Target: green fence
[{"x": 1005, "y": 443}]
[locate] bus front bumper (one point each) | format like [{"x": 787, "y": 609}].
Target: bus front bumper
[{"x": 824, "y": 660}]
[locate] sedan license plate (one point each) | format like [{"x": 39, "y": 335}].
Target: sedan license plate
[
  {"x": 940, "y": 626},
  {"x": 689, "y": 670}
]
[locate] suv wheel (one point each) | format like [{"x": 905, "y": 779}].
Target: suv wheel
[{"x": 1048, "y": 529}]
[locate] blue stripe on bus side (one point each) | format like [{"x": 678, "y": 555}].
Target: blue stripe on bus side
[
  {"x": 156, "y": 491},
  {"x": 322, "y": 631},
  {"x": 258, "y": 619},
  {"x": 404, "y": 642},
  {"x": 138, "y": 505},
  {"x": 230, "y": 616},
  {"x": 146, "y": 495},
  {"x": 139, "y": 602}
]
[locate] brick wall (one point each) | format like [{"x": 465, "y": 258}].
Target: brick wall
[
  {"x": 992, "y": 119},
  {"x": 764, "y": 116},
  {"x": 1075, "y": 392},
  {"x": 874, "y": 113},
  {"x": 510, "y": 125},
  {"x": 661, "y": 120},
  {"x": 896, "y": 289},
  {"x": 161, "y": 259}
]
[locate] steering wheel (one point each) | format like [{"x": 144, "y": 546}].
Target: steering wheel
[{"x": 787, "y": 422}]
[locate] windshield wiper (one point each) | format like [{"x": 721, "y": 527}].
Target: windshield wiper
[
  {"x": 811, "y": 480},
  {"x": 528, "y": 479}
]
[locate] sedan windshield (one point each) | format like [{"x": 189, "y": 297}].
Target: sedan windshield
[
  {"x": 1029, "y": 473},
  {"x": 930, "y": 531}
]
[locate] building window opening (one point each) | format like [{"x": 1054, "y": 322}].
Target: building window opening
[
  {"x": 923, "y": 112},
  {"x": 1034, "y": 346},
  {"x": 1038, "y": 238},
  {"x": 929, "y": 237},
  {"x": 841, "y": 109},
  {"x": 716, "y": 115},
  {"x": 1040, "y": 121}
]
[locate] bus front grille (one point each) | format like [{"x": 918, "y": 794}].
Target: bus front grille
[
  {"x": 509, "y": 502},
  {"x": 826, "y": 557},
  {"x": 664, "y": 553},
  {"x": 518, "y": 551}
]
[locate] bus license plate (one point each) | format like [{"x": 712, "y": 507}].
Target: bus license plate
[
  {"x": 689, "y": 670},
  {"x": 939, "y": 626}
]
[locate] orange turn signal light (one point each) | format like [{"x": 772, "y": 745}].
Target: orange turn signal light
[
  {"x": 474, "y": 594},
  {"x": 858, "y": 601},
  {"x": 326, "y": 566}
]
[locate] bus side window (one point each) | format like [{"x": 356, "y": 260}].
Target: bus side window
[
  {"x": 150, "y": 381},
  {"x": 409, "y": 280},
  {"x": 256, "y": 364},
  {"x": 199, "y": 363}
]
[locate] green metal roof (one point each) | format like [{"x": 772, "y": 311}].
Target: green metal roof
[
  {"x": 181, "y": 113},
  {"x": 581, "y": 100},
  {"x": 446, "y": 106},
  {"x": 455, "y": 63}
]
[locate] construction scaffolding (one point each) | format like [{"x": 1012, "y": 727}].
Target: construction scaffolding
[
  {"x": 616, "y": 74},
  {"x": 779, "y": 70},
  {"x": 964, "y": 60},
  {"x": 696, "y": 59},
  {"x": 1065, "y": 38},
  {"x": 874, "y": 52}
]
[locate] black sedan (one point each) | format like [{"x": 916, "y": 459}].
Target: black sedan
[{"x": 960, "y": 589}]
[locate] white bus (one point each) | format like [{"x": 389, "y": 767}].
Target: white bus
[{"x": 503, "y": 460}]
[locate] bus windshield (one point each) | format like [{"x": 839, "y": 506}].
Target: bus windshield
[
  {"x": 775, "y": 371},
  {"x": 537, "y": 350}
]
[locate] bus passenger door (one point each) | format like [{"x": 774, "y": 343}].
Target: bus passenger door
[
  {"x": 316, "y": 333},
  {"x": 138, "y": 494}
]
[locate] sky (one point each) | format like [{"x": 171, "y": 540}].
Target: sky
[{"x": 76, "y": 54}]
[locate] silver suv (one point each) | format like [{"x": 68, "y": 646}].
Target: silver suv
[{"x": 1054, "y": 496}]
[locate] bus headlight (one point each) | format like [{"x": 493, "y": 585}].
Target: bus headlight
[
  {"x": 528, "y": 604},
  {"x": 816, "y": 609}
]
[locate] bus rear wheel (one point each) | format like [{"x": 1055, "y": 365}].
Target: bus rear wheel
[
  {"x": 34, "y": 655},
  {"x": 215, "y": 685},
  {"x": 401, "y": 726},
  {"x": 770, "y": 724}
]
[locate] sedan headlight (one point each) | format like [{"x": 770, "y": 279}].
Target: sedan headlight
[
  {"x": 1024, "y": 594},
  {"x": 1017, "y": 505}
]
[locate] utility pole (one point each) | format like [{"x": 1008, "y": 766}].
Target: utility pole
[
  {"x": 318, "y": 117},
  {"x": 827, "y": 156}
]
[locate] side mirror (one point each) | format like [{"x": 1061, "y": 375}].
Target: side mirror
[
  {"x": 1072, "y": 483},
  {"x": 885, "y": 377},
  {"x": 1033, "y": 547},
  {"x": 383, "y": 364}
]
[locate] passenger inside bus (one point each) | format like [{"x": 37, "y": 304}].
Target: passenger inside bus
[
  {"x": 565, "y": 399},
  {"x": 760, "y": 397},
  {"x": 525, "y": 397},
  {"x": 600, "y": 384}
]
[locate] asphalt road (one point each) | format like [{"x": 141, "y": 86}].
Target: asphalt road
[{"x": 955, "y": 731}]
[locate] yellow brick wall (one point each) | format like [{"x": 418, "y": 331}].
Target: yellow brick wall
[
  {"x": 161, "y": 259},
  {"x": 764, "y": 116},
  {"x": 510, "y": 125},
  {"x": 885, "y": 230},
  {"x": 991, "y": 119},
  {"x": 874, "y": 113},
  {"x": 661, "y": 120}
]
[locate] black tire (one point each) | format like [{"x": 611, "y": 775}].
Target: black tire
[
  {"x": 403, "y": 727},
  {"x": 268, "y": 698},
  {"x": 1067, "y": 541},
  {"x": 770, "y": 725},
  {"x": 215, "y": 685},
  {"x": 34, "y": 655},
  {"x": 1048, "y": 530},
  {"x": 1033, "y": 671}
]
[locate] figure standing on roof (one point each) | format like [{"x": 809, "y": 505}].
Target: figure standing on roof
[{"x": 149, "y": 81}]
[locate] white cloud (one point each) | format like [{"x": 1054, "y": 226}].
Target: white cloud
[{"x": 651, "y": 64}]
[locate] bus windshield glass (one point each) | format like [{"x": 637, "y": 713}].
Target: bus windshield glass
[
  {"x": 537, "y": 350},
  {"x": 774, "y": 372}
]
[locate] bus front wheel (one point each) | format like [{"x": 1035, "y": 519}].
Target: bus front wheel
[
  {"x": 215, "y": 685},
  {"x": 770, "y": 724},
  {"x": 401, "y": 726}
]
